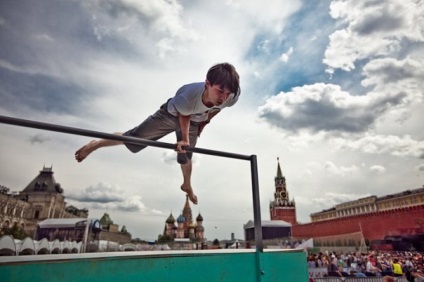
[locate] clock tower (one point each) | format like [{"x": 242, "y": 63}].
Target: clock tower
[{"x": 281, "y": 208}]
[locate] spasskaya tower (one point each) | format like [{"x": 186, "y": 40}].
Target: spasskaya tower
[{"x": 281, "y": 208}]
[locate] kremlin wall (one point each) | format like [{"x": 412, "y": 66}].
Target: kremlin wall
[{"x": 389, "y": 222}]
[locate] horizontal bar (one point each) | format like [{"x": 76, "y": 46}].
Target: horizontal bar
[
  {"x": 127, "y": 139},
  {"x": 141, "y": 141}
]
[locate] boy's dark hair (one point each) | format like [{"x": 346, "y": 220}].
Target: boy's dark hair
[{"x": 225, "y": 75}]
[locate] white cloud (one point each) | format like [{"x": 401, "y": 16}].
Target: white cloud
[
  {"x": 419, "y": 167},
  {"x": 100, "y": 193},
  {"x": 372, "y": 29},
  {"x": 378, "y": 169},
  {"x": 286, "y": 56},
  {"x": 325, "y": 107},
  {"x": 402, "y": 146},
  {"x": 38, "y": 138},
  {"x": 271, "y": 15},
  {"x": 340, "y": 171},
  {"x": 396, "y": 76},
  {"x": 329, "y": 199},
  {"x": 132, "y": 204}
]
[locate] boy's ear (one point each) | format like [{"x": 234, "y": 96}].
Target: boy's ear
[{"x": 207, "y": 83}]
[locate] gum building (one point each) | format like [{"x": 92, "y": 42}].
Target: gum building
[{"x": 41, "y": 199}]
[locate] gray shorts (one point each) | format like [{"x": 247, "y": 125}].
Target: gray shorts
[{"x": 157, "y": 126}]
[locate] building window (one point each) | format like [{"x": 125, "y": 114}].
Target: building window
[
  {"x": 6, "y": 224},
  {"x": 37, "y": 214}
]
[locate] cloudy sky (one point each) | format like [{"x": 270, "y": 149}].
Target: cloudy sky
[{"x": 331, "y": 88}]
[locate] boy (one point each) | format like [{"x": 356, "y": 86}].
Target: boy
[{"x": 186, "y": 114}]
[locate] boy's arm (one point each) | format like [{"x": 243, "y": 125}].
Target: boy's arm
[
  {"x": 211, "y": 114},
  {"x": 185, "y": 129}
]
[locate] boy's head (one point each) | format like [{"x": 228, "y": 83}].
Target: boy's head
[{"x": 226, "y": 76}]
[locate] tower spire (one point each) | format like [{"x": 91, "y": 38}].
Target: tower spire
[{"x": 279, "y": 173}]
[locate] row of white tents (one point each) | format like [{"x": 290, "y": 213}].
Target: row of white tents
[{"x": 28, "y": 246}]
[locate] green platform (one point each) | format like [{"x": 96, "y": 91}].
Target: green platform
[{"x": 209, "y": 265}]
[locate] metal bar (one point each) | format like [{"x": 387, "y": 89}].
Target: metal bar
[
  {"x": 128, "y": 139},
  {"x": 140, "y": 141}
]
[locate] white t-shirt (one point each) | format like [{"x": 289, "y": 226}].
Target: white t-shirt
[
  {"x": 370, "y": 267},
  {"x": 188, "y": 101}
]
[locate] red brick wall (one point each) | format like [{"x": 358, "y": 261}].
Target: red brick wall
[
  {"x": 374, "y": 225},
  {"x": 288, "y": 215}
]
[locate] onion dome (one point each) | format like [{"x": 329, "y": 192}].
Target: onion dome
[
  {"x": 171, "y": 219},
  {"x": 199, "y": 217},
  {"x": 181, "y": 219},
  {"x": 191, "y": 226}
]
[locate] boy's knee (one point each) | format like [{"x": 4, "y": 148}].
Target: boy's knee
[{"x": 184, "y": 158}]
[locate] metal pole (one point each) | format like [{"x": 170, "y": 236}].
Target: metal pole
[
  {"x": 128, "y": 139},
  {"x": 256, "y": 204},
  {"x": 257, "y": 217},
  {"x": 87, "y": 226}
]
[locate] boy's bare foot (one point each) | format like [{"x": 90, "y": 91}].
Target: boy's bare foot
[
  {"x": 85, "y": 150},
  {"x": 191, "y": 196}
]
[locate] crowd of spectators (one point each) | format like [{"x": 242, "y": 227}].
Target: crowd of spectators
[{"x": 369, "y": 264}]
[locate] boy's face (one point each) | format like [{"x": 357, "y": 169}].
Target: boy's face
[{"x": 217, "y": 94}]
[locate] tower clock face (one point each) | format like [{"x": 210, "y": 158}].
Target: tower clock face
[{"x": 283, "y": 194}]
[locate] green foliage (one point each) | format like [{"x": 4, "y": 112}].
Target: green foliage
[
  {"x": 165, "y": 239},
  {"x": 15, "y": 231}
]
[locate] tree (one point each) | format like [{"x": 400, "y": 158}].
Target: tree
[
  {"x": 15, "y": 231},
  {"x": 215, "y": 242},
  {"x": 165, "y": 239},
  {"x": 4, "y": 189}
]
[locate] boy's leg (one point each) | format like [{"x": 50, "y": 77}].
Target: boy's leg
[
  {"x": 153, "y": 128},
  {"x": 93, "y": 145},
  {"x": 156, "y": 126},
  {"x": 184, "y": 159},
  {"x": 186, "y": 186}
]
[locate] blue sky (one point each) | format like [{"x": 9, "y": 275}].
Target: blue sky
[{"x": 332, "y": 88}]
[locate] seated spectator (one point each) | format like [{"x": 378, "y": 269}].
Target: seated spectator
[
  {"x": 341, "y": 272},
  {"x": 386, "y": 267},
  {"x": 356, "y": 274},
  {"x": 416, "y": 275},
  {"x": 370, "y": 269},
  {"x": 397, "y": 268},
  {"x": 332, "y": 269}
]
